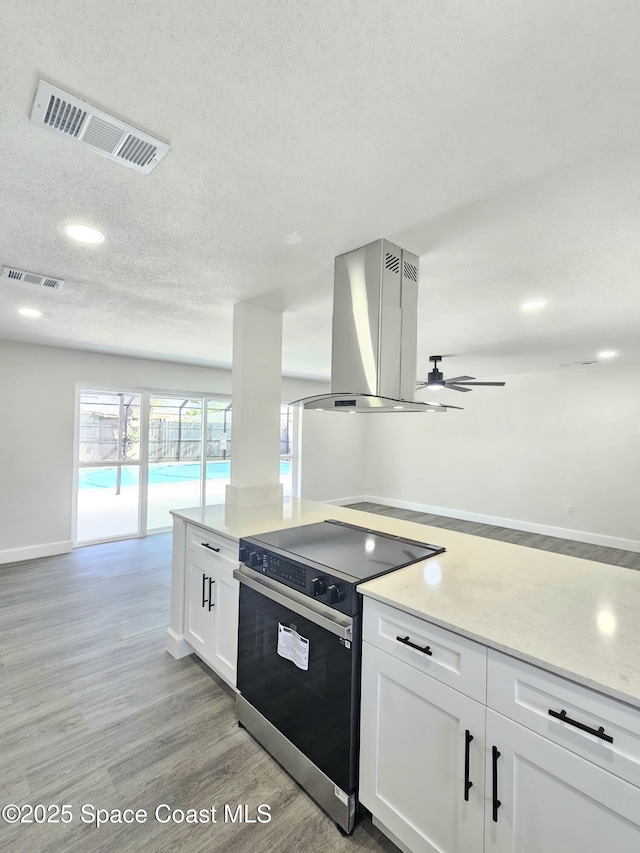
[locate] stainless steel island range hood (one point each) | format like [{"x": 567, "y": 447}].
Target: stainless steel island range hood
[{"x": 374, "y": 344}]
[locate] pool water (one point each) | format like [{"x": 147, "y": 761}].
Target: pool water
[{"x": 105, "y": 478}]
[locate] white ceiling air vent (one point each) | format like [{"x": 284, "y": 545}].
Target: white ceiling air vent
[
  {"x": 70, "y": 117},
  {"x": 32, "y": 278}
]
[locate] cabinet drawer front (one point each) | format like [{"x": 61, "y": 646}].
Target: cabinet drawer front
[
  {"x": 454, "y": 660},
  {"x": 205, "y": 542},
  {"x": 526, "y": 694}
]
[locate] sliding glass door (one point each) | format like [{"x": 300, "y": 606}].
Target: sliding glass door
[
  {"x": 142, "y": 454},
  {"x": 108, "y": 465}
]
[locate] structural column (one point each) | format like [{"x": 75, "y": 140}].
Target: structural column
[{"x": 256, "y": 383}]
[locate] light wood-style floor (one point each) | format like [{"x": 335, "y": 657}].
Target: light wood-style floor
[
  {"x": 93, "y": 711},
  {"x": 600, "y": 553}
]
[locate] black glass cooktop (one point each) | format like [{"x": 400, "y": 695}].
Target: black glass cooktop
[{"x": 352, "y": 550}]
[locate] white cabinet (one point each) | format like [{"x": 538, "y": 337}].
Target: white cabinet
[
  {"x": 447, "y": 657},
  {"x": 554, "y": 765},
  {"x": 203, "y": 569},
  {"x": 603, "y": 730},
  {"x": 553, "y": 800},
  {"x": 421, "y": 743},
  {"x": 200, "y": 600},
  {"x": 224, "y": 646}
]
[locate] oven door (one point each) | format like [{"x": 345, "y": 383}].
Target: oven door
[{"x": 298, "y": 665}]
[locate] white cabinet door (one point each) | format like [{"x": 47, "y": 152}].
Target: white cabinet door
[
  {"x": 553, "y": 800},
  {"x": 198, "y": 630},
  {"x": 412, "y": 757},
  {"x": 224, "y": 648},
  {"x": 211, "y": 612}
]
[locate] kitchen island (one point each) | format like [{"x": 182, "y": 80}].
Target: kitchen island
[
  {"x": 501, "y": 686},
  {"x": 574, "y": 617}
]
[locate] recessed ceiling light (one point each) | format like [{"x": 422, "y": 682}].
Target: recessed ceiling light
[
  {"x": 607, "y": 353},
  {"x": 398, "y": 407},
  {"x": 533, "y": 306},
  {"x": 84, "y": 233},
  {"x": 29, "y": 312}
]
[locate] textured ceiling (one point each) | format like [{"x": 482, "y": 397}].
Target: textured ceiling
[{"x": 498, "y": 140}]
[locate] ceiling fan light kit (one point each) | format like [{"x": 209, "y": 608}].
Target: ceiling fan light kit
[{"x": 436, "y": 380}]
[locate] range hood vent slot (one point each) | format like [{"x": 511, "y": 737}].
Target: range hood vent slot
[
  {"x": 66, "y": 115},
  {"x": 411, "y": 271},
  {"x": 392, "y": 262},
  {"x": 32, "y": 278}
]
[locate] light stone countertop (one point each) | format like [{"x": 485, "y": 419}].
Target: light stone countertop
[{"x": 571, "y": 616}]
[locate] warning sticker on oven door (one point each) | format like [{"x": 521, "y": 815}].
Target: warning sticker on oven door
[{"x": 293, "y": 647}]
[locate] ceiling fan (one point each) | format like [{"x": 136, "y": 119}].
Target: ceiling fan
[{"x": 436, "y": 380}]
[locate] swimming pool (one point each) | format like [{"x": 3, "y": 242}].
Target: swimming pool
[{"x": 105, "y": 478}]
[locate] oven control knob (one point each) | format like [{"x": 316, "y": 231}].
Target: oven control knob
[
  {"x": 335, "y": 594},
  {"x": 255, "y": 559},
  {"x": 243, "y": 554},
  {"x": 318, "y": 586}
]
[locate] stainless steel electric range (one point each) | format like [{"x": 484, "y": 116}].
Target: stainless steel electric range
[{"x": 299, "y": 649}]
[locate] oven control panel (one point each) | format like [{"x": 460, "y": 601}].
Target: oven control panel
[
  {"x": 306, "y": 579},
  {"x": 285, "y": 571}
]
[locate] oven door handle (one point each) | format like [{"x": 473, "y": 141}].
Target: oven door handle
[{"x": 337, "y": 623}]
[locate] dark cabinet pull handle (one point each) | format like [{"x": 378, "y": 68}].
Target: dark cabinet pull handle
[
  {"x": 204, "y": 596},
  {"x": 468, "y": 737},
  {"x": 211, "y": 603},
  {"x": 210, "y": 547},
  {"x": 562, "y": 715},
  {"x": 496, "y": 802},
  {"x": 426, "y": 650}
]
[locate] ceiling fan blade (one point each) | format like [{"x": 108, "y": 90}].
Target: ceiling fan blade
[
  {"x": 458, "y": 379},
  {"x": 480, "y": 383},
  {"x": 456, "y": 387}
]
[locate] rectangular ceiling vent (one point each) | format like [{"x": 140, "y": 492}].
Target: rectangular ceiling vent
[
  {"x": 70, "y": 117},
  {"x": 32, "y": 278}
]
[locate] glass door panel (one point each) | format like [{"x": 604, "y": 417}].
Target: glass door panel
[
  {"x": 218, "y": 450},
  {"x": 108, "y": 502},
  {"x": 108, "y": 487},
  {"x": 175, "y": 458}
]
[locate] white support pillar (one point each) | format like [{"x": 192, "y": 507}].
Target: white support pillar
[{"x": 256, "y": 382}]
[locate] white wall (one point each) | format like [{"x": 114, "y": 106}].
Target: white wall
[
  {"x": 332, "y": 456},
  {"x": 517, "y": 456},
  {"x": 37, "y": 390}
]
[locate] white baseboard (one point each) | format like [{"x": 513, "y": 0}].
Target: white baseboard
[
  {"x": 345, "y": 501},
  {"x": 34, "y": 552},
  {"x": 513, "y": 524},
  {"x": 177, "y": 646}
]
